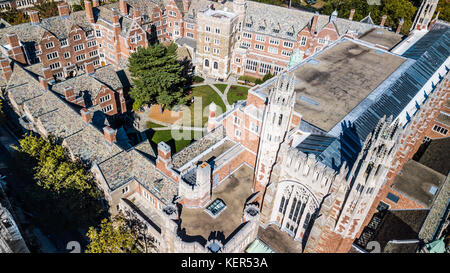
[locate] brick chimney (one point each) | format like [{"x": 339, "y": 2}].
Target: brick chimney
[
  {"x": 15, "y": 52},
  {"x": 34, "y": 16},
  {"x": 90, "y": 69},
  {"x": 123, "y": 7},
  {"x": 86, "y": 115},
  {"x": 63, "y": 9},
  {"x": 69, "y": 94},
  {"x": 110, "y": 134},
  {"x": 48, "y": 74},
  {"x": 89, "y": 11},
  {"x": 212, "y": 116},
  {"x": 314, "y": 23},
  {"x": 400, "y": 24},
  {"x": 44, "y": 83},
  {"x": 115, "y": 21},
  {"x": 164, "y": 156},
  {"x": 352, "y": 13},
  {"x": 95, "y": 3},
  {"x": 6, "y": 68},
  {"x": 186, "y": 4},
  {"x": 383, "y": 20}
]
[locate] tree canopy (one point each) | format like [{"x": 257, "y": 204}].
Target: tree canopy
[
  {"x": 113, "y": 236},
  {"x": 46, "y": 8},
  {"x": 64, "y": 191},
  {"x": 157, "y": 76}
]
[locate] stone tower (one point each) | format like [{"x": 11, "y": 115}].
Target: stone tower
[
  {"x": 345, "y": 210},
  {"x": 424, "y": 14},
  {"x": 276, "y": 121}
]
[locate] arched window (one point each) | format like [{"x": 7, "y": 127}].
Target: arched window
[
  {"x": 216, "y": 65},
  {"x": 206, "y": 62},
  {"x": 292, "y": 208}
]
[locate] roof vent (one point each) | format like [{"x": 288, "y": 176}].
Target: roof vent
[{"x": 433, "y": 190}]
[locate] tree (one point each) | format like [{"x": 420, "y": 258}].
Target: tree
[
  {"x": 156, "y": 76},
  {"x": 444, "y": 10},
  {"x": 64, "y": 191},
  {"x": 397, "y": 9},
  {"x": 113, "y": 236},
  {"x": 46, "y": 8},
  {"x": 78, "y": 7},
  {"x": 14, "y": 17}
]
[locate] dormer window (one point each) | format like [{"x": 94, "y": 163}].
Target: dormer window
[
  {"x": 290, "y": 33},
  {"x": 276, "y": 30},
  {"x": 248, "y": 25},
  {"x": 262, "y": 28}
]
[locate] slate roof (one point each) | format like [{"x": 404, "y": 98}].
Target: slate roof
[
  {"x": 293, "y": 20},
  {"x": 57, "y": 25},
  {"x": 198, "y": 147},
  {"x": 132, "y": 165},
  {"x": 437, "y": 155}
]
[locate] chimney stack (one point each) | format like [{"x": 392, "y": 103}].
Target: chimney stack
[
  {"x": 86, "y": 115},
  {"x": 187, "y": 4},
  {"x": 63, "y": 9},
  {"x": 314, "y": 23},
  {"x": 110, "y": 134},
  {"x": 89, "y": 11},
  {"x": 400, "y": 24},
  {"x": 383, "y": 20},
  {"x": 69, "y": 94},
  {"x": 34, "y": 16},
  {"x": 90, "y": 68},
  {"x": 48, "y": 74},
  {"x": 15, "y": 52},
  {"x": 6, "y": 68},
  {"x": 352, "y": 12},
  {"x": 95, "y": 3},
  {"x": 212, "y": 116},
  {"x": 164, "y": 155},
  {"x": 123, "y": 7},
  {"x": 44, "y": 83}
]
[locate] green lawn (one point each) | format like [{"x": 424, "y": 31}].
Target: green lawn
[
  {"x": 237, "y": 93},
  {"x": 150, "y": 124},
  {"x": 221, "y": 87},
  {"x": 207, "y": 95},
  {"x": 166, "y": 136}
]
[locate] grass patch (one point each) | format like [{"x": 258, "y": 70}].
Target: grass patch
[
  {"x": 237, "y": 93},
  {"x": 150, "y": 124},
  {"x": 221, "y": 87},
  {"x": 166, "y": 136},
  {"x": 208, "y": 95}
]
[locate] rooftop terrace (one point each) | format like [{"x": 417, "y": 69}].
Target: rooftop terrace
[{"x": 234, "y": 191}]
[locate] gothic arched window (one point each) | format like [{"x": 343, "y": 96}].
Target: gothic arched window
[
  {"x": 216, "y": 65},
  {"x": 292, "y": 207},
  {"x": 206, "y": 62},
  {"x": 281, "y": 204}
]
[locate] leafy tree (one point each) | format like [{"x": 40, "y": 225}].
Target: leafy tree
[
  {"x": 63, "y": 191},
  {"x": 46, "y": 8},
  {"x": 113, "y": 236},
  {"x": 444, "y": 10},
  {"x": 157, "y": 76},
  {"x": 14, "y": 16},
  {"x": 397, "y": 9},
  {"x": 78, "y": 7}
]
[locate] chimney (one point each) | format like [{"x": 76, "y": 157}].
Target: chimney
[
  {"x": 110, "y": 134},
  {"x": 90, "y": 68},
  {"x": 95, "y": 3},
  {"x": 63, "y": 9},
  {"x": 352, "y": 12},
  {"x": 164, "y": 154},
  {"x": 89, "y": 11},
  {"x": 44, "y": 83},
  {"x": 400, "y": 24},
  {"x": 86, "y": 115},
  {"x": 6, "y": 68},
  {"x": 123, "y": 7},
  {"x": 314, "y": 23},
  {"x": 212, "y": 117},
  {"x": 187, "y": 4},
  {"x": 69, "y": 94},
  {"x": 383, "y": 20},
  {"x": 15, "y": 52},
  {"x": 34, "y": 16},
  {"x": 48, "y": 74},
  {"x": 115, "y": 21}
]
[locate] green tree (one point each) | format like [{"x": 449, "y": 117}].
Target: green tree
[
  {"x": 444, "y": 10},
  {"x": 397, "y": 9},
  {"x": 113, "y": 236},
  {"x": 14, "y": 17},
  {"x": 46, "y": 8},
  {"x": 157, "y": 76},
  {"x": 78, "y": 7}
]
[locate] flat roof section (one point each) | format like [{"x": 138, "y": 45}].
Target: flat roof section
[
  {"x": 338, "y": 79},
  {"x": 279, "y": 241},
  {"x": 383, "y": 37},
  {"x": 234, "y": 192},
  {"x": 419, "y": 182}
]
